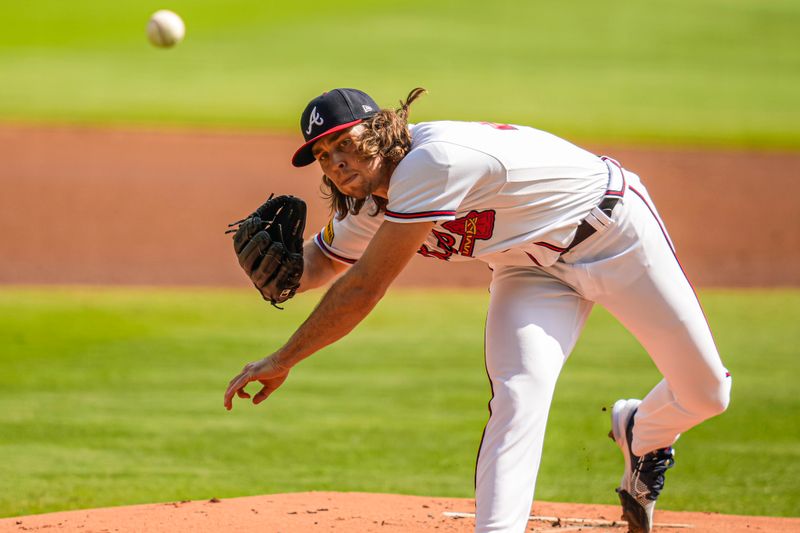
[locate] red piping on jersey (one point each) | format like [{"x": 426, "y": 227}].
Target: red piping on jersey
[
  {"x": 421, "y": 214},
  {"x": 533, "y": 259},
  {"x": 324, "y": 247},
  {"x": 550, "y": 246}
]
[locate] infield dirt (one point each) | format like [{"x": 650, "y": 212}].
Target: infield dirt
[
  {"x": 364, "y": 513},
  {"x": 101, "y": 206}
]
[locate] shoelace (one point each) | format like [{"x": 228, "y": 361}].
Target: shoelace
[{"x": 652, "y": 467}]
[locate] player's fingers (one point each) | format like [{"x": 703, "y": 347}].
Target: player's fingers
[
  {"x": 261, "y": 395},
  {"x": 238, "y": 383},
  {"x": 228, "y": 401},
  {"x": 269, "y": 387},
  {"x": 234, "y": 380},
  {"x": 242, "y": 394}
]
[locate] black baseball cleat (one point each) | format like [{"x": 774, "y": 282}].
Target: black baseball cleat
[{"x": 643, "y": 479}]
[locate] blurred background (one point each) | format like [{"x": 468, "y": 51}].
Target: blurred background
[
  {"x": 145, "y": 154},
  {"x": 123, "y": 312},
  {"x": 709, "y": 72}
]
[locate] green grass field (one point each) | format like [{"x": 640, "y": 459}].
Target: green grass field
[
  {"x": 683, "y": 71},
  {"x": 114, "y": 396}
]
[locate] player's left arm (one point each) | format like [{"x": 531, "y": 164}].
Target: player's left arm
[
  {"x": 344, "y": 305},
  {"x": 319, "y": 268}
]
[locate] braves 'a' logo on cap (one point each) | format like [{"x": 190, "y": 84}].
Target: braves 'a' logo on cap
[{"x": 315, "y": 119}]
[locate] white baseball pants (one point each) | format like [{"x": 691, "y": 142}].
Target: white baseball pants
[{"x": 535, "y": 316}]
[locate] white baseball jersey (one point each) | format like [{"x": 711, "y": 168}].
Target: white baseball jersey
[{"x": 505, "y": 194}]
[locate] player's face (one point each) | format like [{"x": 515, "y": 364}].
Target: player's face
[{"x": 352, "y": 174}]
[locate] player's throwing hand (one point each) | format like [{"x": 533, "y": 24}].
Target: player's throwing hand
[{"x": 268, "y": 371}]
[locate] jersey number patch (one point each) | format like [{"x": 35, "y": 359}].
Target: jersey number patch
[{"x": 476, "y": 225}]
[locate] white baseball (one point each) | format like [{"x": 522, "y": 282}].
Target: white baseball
[{"x": 165, "y": 28}]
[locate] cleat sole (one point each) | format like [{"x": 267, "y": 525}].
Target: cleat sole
[{"x": 633, "y": 513}]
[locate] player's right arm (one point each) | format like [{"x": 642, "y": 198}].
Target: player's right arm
[
  {"x": 318, "y": 268},
  {"x": 351, "y": 298}
]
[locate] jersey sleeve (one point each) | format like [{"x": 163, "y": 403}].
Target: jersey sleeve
[
  {"x": 426, "y": 186},
  {"x": 345, "y": 240}
]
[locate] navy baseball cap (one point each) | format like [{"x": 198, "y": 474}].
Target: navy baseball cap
[{"x": 328, "y": 113}]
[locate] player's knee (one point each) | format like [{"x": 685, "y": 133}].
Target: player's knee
[
  {"x": 510, "y": 401},
  {"x": 713, "y": 399},
  {"x": 716, "y": 403},
  {"x": 520, "y": 401}
]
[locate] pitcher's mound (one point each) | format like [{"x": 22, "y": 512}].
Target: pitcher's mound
[{"x": 360, "y": 513}]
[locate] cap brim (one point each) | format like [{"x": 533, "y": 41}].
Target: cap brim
[{"x": 303, "y": 155}]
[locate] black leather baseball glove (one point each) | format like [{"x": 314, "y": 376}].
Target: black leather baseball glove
[{"x": 269, "y": 246}]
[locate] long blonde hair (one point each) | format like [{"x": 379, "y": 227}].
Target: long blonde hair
[{"x": 385, "y": 135}]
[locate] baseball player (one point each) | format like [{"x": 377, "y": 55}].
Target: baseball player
[{"x": 561, "y": 229}]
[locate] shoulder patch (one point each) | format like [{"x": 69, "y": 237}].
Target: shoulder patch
[{"x": 327, "y": 234}]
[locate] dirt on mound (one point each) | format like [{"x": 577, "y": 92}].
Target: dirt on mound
[
  {"x": 362, "y": 513},
  {"x": 104, "y": 206}
]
